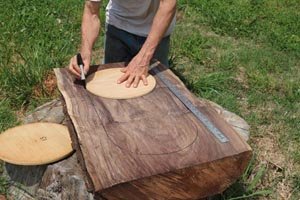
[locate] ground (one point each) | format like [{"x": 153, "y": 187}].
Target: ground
[{"x": 243, "y": 55}]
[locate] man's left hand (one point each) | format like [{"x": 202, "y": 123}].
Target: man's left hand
[{"x": 134, "y": 72}]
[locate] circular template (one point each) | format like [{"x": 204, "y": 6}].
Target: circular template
[{"x": 103, "y": 83}]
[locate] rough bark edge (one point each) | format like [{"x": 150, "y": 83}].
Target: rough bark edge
[{"x": 76, "y": 146}]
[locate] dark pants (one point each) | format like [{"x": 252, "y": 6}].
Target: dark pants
[{"x": 121, "y": 46}]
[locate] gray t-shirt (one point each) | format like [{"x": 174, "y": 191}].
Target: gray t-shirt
[{"x": 134, "y": 16}]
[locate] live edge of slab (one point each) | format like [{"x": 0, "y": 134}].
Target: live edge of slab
[{"x": 151, "y": 147}]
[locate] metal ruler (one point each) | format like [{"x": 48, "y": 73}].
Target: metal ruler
[{"x": 206, "y": 122}]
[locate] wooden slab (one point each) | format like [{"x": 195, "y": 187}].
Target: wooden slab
[
  {"x": 151, "y": 147},
  {"x": 35, "y": 144},
  {"x": 103, "y": 83}
]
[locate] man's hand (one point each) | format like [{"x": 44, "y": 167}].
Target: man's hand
[
  {"x": 135, "y": 71},
  {"x": 138, "y": 68},
  {"x": 74, "y": 68}
]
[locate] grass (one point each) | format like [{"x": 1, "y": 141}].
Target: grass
[
  {"x": 252, "y": 69},
  {"x": 36, "y": 36},
  {"x": 270, "y": 21},
  {"x": 242, "y": 54}
]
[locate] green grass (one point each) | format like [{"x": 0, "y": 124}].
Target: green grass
[
  {"x": 3, "y": 181},
  {"x": 252, "y": 69},
  {"x": 242, "y": 54},
  {"x": 247, "y": 186},
  {"x": 36, "y": 36},
  {"x": 7, "y": 117},
  {"x": 271, "y": 21}
]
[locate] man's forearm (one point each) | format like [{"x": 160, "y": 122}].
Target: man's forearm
[
  {"x": 90, "y": 27},
  {"x": 161, "y": 23}
]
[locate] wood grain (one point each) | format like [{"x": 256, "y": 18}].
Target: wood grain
[
  {"x": 151, "y": 146},
  {"x": 35, "y": 144},
  {"x": 103, "y": 83}
]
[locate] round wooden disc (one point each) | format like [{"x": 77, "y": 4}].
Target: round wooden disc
[
  {"x": 35, "y": 144},
  {"x": 103, "y": 83}
]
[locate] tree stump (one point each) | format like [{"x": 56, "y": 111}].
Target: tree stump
[{"x": 65, "y": 179}]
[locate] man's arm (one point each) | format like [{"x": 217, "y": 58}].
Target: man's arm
[
  {"x": 89, "y": 32},
  {"x": 137, "y": 69}
]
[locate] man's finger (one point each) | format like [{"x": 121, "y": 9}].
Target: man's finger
[
  {"x": 129, "y": 81},
  {"x": 71, "y": 68},
  {"x": 136, "y": 81},
  {"x": 76, "y": 68},
  {"x": 74, "y": 65},
  {"x": 145, "y": 81},
  {"x": 124, "y": 70},
  {"x": 123, "y": 78},
  {"x": 73, "y": 71}
]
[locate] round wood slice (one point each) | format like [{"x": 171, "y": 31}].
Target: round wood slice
[
  {"x": 35, "y": 144},
  {"x": 103, "y": 83}
]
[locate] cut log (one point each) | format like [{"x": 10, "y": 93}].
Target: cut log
[
  {"x": 150, "y": 147},
  {"x": 65, "y": 179}
]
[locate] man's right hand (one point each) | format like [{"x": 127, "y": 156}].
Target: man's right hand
[
  {"x": 89, "y": 32},
  {"x": 74, "y": 67}
]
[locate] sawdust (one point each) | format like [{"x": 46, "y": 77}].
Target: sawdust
[
  {"x": 48, "y": 87},
  {"x": 50, "y": 83}
]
